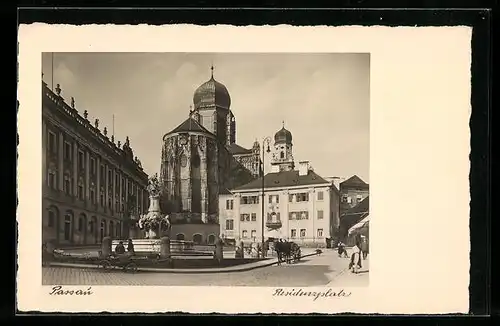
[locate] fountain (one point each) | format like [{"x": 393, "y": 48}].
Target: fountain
[{"x": 154, "y": 222}]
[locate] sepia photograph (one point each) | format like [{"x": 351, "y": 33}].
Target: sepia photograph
[{"x": 205, "y": 169}]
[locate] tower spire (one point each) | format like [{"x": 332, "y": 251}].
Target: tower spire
[
  {"x": 212, "y": 69},
  {"x": 283, "y": 122}
]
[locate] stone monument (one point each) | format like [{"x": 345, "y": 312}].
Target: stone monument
[{"x": 154, "y": 222}]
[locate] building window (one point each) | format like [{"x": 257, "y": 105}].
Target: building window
[
  {"x": 110, "y": 177},
  {"x": 102, "y": 174},
  {"x": 117, "y": 181},
  {"x": 52, "y": 180},
  {"x": 52, "y": 219},
  {"x": 302, "y": 233},
  {"x": 297, "y": 198},
  {"x": 320, "y": 195},
  {"x": 81, "y": 161},
  {"x": 180, "y": 236},
  {"x": 248, "y": 200},
  {"x": 109, "y": 202},
  {"x": 254, "y": 217},
  {"x": 245, "y": 217},
  {"x": 80, "y": 224},
  {"x": 92, "y": 166},
  {"x": 80, "y": 192},
  {"x": 123, "y": 185},
  {"x": 300, "y": 215},
  {"x": 67, "y": 151},
  {"x": 293, "y": 233},
  {"x": 229, "y": 204},
  {"x": 92, "y": 196},
  {"x": 229, "y": 224},
  {"x": 52, "y": 143},
  {"x": 253, "y": 234},
  {"x": 274, "y": 199},
  {"x": 67, "y": 186},
  {"x": 282, "y": 154},
  {"x": 244, "y": 234},
  {"x": 319, "y": 233},
  {"x": 67, "y": 227},
  {"x": 102, "y": 199},
  {"x": 320, "y": 215}
]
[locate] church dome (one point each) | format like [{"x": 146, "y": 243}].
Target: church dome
[
  {"x": 283, "y": 136},
  {"x": 210, "y": 94}
]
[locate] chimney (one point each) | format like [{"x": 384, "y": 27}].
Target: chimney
[{"x": 304, "y": 167}]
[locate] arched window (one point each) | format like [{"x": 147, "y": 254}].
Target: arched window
[
  {"x": 111, "y": 228},
  {"x": 180, "y": 236},
  {"x": 211, "y": 239},
  {"x": 197, "y": 238},
  {"x": 81, "y": 223},
  {"x": 118, "y": 230},
  {"x": 53, "y": 216},
  {"x": 282, "y": 155},
  {"x": 67, "y": 225}
]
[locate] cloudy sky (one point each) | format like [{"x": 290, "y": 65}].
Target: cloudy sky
[{"x": 323, "y": 99}]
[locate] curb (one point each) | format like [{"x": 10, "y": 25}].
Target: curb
[{"x": 182, "y": 271}]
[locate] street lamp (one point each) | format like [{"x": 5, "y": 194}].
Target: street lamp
[{"x": 265, "y": 149}]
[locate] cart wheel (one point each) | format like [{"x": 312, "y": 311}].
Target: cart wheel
[
  {"x": 105, "y": 265},
  {"x": 131, "y": 267}
]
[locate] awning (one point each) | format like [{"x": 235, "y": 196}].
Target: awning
[{"x": 359, "y": 225}]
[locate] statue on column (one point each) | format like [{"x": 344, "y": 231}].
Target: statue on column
[{"x": 154, "y": 222}]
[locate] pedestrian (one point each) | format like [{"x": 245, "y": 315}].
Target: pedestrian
[
  {"x": 130, "y": 247},
  {"x": 120, "y": 248},
  {"x": 341, "y": 250},
  {"x": 355, "y": 263}
]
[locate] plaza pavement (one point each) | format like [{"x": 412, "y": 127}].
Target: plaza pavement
[{"x": 326, "y": 269}]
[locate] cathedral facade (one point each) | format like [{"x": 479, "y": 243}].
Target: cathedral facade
[{"x": 200, "y": 160}]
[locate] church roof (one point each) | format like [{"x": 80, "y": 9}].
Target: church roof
[
  {"x": 285, "y": 179},
  {"x": 188, "y": 125},
  {"x": 354, "y": 181},
  {"x": 236, "y": 149},
  {"x": 212, "y": 93}
]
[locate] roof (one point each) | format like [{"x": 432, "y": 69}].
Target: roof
[
  {"x": 354, "y": 181},
  {"x": 236, "y": 149},
  {"x": 355, "y": 214},
  {"x": 285, "y": 179},
  {"x": 188, "y": 125},
  {"x": 224, "y": 191}
]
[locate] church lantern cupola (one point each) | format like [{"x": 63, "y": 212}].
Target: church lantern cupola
[{"x": 211, "y": 94}]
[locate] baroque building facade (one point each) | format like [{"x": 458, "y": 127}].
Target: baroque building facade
[
  {"x": 200, "y": 160},
  {"x": 299, "y": 205},
  {"x": 91, "y": 185}
]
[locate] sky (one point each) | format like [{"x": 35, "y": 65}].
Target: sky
[{"x": 323, "y": 99}]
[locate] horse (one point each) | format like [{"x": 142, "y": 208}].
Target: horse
[{"x": 287, "y": 251}]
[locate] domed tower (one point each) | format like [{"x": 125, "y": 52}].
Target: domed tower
[
  {"x": 283, "y": 155},
  {"x": 212, "y": 107}
]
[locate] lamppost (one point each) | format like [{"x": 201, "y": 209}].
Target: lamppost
[{"x": 265, "y": 150}]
